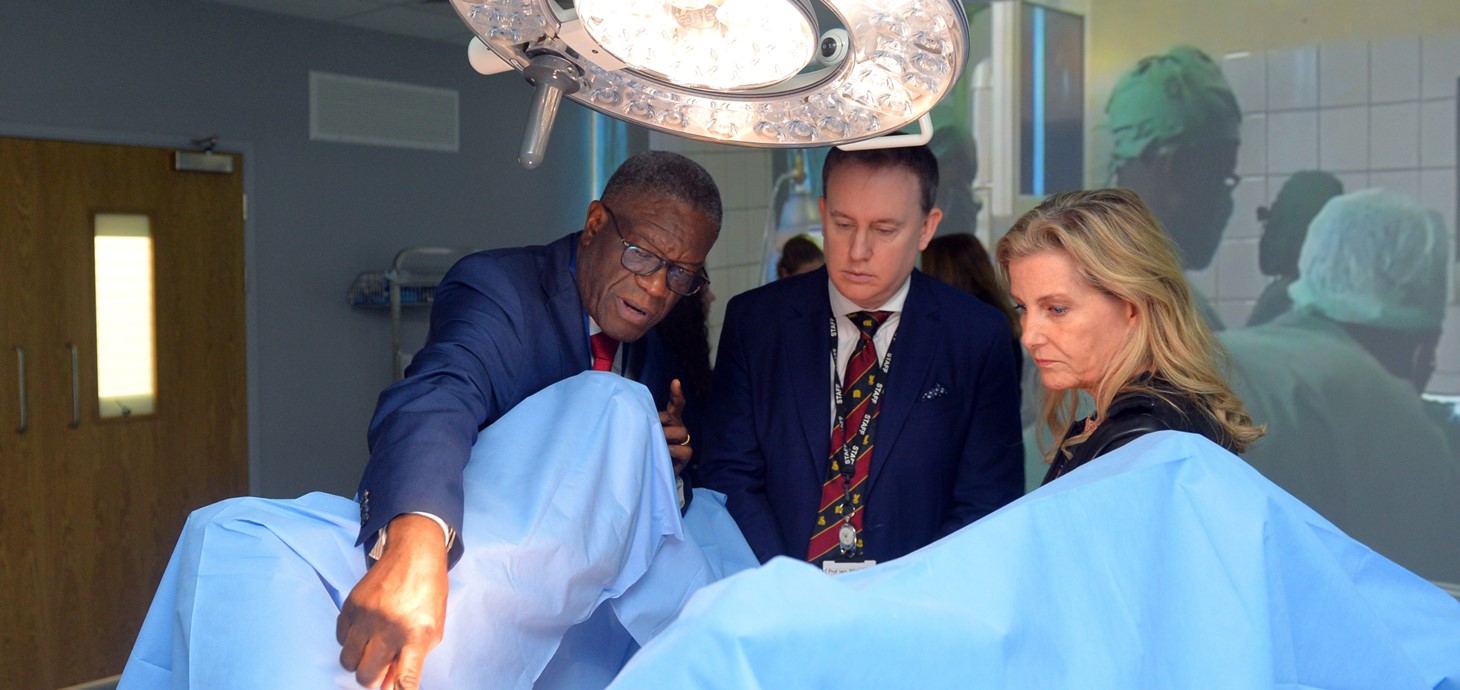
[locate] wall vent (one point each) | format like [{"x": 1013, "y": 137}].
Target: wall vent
[{"x": 382, "y": 113}]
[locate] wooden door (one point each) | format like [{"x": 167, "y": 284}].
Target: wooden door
[
  {"x": 104, "y": 496},
  {"x": 25, "y": 552}
]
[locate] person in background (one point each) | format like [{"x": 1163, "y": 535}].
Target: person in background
[
  {"x": 960, "y": 260},
  {"x": 505, "y": 325},
  {"x": 1337, "y": 381},
  {"x": 1175, "y": 128},
  {"x": 1105, "y": 309},
  {"x": 1283, "y": 228},
  {"x": 863, "y": 410},
  {"x": 685, "y": 334},
  {"x": 957, "y": 169},
  {"x": 799, "y": 255}
]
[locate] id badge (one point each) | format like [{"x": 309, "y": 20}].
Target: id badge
[{"x": 834, "y": 568}]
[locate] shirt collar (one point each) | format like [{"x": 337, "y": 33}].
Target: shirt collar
[{"x": 841, "y": 306}]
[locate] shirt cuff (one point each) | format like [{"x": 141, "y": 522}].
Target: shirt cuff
[{"x": 378, "y": 549}]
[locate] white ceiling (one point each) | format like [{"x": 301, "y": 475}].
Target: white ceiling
[{"x": 431, "y": 19}]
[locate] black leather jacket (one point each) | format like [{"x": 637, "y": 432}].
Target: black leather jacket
[{"x": 1133, "y": 415}]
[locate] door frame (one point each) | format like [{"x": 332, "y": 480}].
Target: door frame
[{"x": 250, "y": 253}]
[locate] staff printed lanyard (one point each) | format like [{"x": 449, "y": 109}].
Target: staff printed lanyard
[{"x": 847, "y": 534}]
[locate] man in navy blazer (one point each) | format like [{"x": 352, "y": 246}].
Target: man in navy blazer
[
  {"x": 947, "y": 447},
  {"x": 504, "y": 325}
]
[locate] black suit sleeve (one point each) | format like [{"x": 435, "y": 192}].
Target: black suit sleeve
[
  {"x": 991, "y": 470},
  {"x": 734, "y": 462}
]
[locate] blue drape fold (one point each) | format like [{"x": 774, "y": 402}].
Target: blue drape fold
[
  {"x": 1168, "y": 563},
  {"x": 570, "y": 503}
]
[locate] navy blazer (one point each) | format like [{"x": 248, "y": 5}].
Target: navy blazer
[
  {"x": 505, "y": 324},
  {"x": 948, "y": 448}
]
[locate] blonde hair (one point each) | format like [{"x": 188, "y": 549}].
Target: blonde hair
[{"x": 1121, "y": 250}]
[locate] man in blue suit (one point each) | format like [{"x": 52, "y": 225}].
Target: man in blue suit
[
  {"x": 505, "y": 325},
  {"x": 915, "y": 435}
]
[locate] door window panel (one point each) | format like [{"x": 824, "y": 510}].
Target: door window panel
[{"x": 126, "y": 348}]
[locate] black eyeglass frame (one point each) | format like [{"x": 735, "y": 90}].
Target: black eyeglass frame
[{"x": 698, "y": 279}]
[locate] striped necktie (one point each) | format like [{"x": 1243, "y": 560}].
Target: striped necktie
[{"x": 851, "y": 439}]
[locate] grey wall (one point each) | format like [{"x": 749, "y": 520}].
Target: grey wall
[{"x": 160, "y": 72}]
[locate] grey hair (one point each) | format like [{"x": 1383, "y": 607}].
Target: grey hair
[{"x": 666, "y": 174}]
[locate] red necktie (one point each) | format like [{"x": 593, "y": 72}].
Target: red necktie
[
  {"x": 841, "y": 495},
  {"x": 603, "y": 349}
]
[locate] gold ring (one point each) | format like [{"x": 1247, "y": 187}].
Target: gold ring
[{"x": 685, "y": 442}]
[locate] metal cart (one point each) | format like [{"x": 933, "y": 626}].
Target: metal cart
[{"x": 411, "y": 282}]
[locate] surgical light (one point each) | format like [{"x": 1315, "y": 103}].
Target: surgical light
[
  {"x": 715, "y": 44},
  {"x": 732, "y": 71}
]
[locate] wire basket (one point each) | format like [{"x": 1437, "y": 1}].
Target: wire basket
[{"x": 372, "y": 289}]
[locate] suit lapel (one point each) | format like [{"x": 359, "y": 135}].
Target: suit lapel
[
  {"x": 808, "y": 353},
  {"x": 564, "y": 304},
  {"x": 912, "y": 359},
  {"x": 643, "y": 361}
]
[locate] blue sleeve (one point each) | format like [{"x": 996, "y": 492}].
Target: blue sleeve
[
  {"x": 734, "y": 462},
  {"x": 424, "y": 425}
]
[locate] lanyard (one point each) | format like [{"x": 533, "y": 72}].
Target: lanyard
[{"x": 851, "y": 451}]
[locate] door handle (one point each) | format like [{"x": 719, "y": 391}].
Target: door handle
[
  {"x": 75, "y": 386},
  {"x": 20, "y": 375}
]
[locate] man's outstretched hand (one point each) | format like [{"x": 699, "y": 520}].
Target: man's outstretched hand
[
  {"x": 397, "y": 613},
  {"x": 675, "y": 433}
]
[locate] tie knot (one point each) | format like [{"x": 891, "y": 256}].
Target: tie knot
[
  {"x": 868, "y": 321},
  {"x": 603, "y": 348}
]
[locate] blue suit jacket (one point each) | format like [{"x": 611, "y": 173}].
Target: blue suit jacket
[
  {"x": 505, "y": 324},
  {"x": 948, "y": 449}
]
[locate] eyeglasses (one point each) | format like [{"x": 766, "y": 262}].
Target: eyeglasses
[
  {"x": 1197, "y": 163},
  {"x": 642, "y": 262}
]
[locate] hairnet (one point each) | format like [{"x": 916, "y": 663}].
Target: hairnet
[
  {"x": 1179, "y": 92},
  {"x": 1374, "y": 258}
]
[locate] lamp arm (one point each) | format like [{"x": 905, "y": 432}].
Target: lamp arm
[
  {"x": 892, "y": 141},
  {"x": 552, "y": 77}
]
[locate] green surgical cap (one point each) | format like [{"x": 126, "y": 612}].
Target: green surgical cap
[
  {"x": 1180, "y": 92},
  {"x": 1376, "y": 259}
]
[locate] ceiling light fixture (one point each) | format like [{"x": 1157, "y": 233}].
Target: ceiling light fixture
[{"x": 730, "y": 71}]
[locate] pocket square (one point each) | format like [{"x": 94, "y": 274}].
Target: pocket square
[{"x": 937, "y": 391}]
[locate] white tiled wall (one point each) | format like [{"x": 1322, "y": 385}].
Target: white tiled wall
[
  {"x": 1375, "y": 113},
  {"x": 1292, "y": 78},
  {"x": 1437, "y": 133},
  {"x": 1394, "y": 70},
  {"x": 1394, "y": 136},
  {"x": 1292, "y": 141},
  {"x": 1343, "y": 74},
  {"x": 744, "y": 177},
  {"x": 1338, "y": 147}
]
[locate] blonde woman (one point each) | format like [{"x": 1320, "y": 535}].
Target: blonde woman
[{"x": 1104, "y": 309}]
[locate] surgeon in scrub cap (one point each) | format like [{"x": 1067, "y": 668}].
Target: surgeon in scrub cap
[
  {"x": 1175, "y": 127},
  {"x": 1337, "y": 380},
  {"x": 1376, "y": 263}
]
